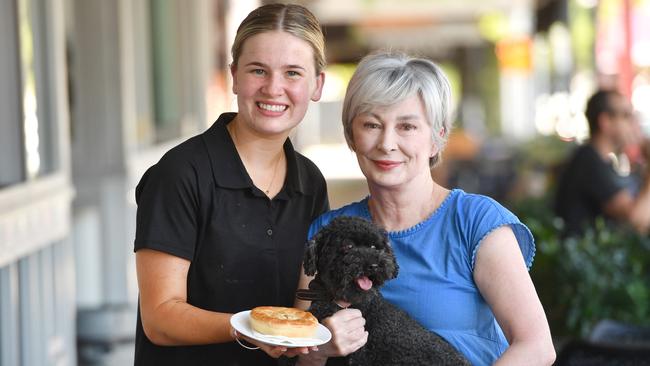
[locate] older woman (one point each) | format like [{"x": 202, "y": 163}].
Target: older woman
[{"x": 463, "y": 257}]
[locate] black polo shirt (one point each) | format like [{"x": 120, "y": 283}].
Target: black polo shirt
[{"x": 199, "y": 203}]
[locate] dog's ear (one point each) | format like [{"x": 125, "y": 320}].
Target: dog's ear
[
  {"x": 396, "y": 271},
  {"x": 389, "y": 249},
  {"x": 311, "y": 258}
]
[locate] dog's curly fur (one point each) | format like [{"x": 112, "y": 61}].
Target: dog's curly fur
[{"x": 349, "y": 248}]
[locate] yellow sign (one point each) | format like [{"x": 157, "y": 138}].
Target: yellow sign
[{"x": 514, "y": 54}]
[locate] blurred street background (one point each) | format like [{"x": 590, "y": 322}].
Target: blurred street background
[{"x": 93, "y": 92}]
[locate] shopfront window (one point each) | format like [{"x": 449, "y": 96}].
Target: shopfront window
[
  {"x": 11, "y": 148},
  {"x": 27, "y": 131},
  {"x": 171, "y": 35},
  {"x": 37, "y": 123}
]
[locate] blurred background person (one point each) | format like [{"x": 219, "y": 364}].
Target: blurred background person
[{"x": 590, "y": 185}]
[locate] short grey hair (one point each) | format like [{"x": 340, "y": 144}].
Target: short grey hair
[{"x": 384, "y": 79}]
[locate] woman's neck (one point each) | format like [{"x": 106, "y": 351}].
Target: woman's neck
[
  {"x": 263, "y": 157},
  {"x": 400, "y": 209},
  {"x": 253, "y": 147}
]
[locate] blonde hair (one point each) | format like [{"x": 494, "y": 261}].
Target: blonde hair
[
  {"x": 384, "y": 79},
  {"x": 293, "y": 19}
]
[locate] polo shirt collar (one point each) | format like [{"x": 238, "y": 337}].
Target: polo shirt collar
[{"x": 229, "y": 171}]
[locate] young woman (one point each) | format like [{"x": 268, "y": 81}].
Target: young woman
[
  {"x": 222, "y": 217},
  {"x": 463, "y": 258}
]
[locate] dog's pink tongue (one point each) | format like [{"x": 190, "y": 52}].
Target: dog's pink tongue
[{"x": 364, "y": 283}]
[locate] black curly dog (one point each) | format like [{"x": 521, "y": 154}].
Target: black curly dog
[{"x": 352, "y": 258}]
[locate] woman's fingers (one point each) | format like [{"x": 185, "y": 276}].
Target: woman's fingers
[
  {"x": 348, "y": 332},
  {"x": 293, "y": 352},
  {"x": 345, "y": 320}
]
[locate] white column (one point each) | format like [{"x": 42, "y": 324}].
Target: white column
[
  {"x": 516, "y": 85},
  {"x": 103, "y": 112}
]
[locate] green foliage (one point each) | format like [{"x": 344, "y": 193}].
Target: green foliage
[
  {"x": 603, "y": 274},
  {"x": 544, "y": 151}
]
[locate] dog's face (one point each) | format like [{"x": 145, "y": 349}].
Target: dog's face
[{"x": 350, "y": 256}]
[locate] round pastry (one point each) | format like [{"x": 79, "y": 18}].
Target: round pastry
[{"x": 281, "y": 321}]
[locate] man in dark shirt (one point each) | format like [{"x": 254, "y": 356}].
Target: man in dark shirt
[{"x": 590, "y": 185}]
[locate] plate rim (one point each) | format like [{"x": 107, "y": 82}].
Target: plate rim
[{"x": 248, "y": 332}]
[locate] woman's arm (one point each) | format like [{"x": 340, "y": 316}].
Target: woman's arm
[
  {"x": 503, "y": 280},
  {"x": 167, "y": 318}
]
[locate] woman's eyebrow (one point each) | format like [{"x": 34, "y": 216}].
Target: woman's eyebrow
[
  {"x": 375, "y": 116},
  {"x": 261, "y": 64},
  {"x": 256, "y": 63},
  {"x": 403, "y": 118},
  {"x": 408, "y": 117},
  {"x": 295, "y": 67}
]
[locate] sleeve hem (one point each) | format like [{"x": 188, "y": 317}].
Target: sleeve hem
[
  {"x": 163, "y": 247},
  {"x": 524, "y": 238}
]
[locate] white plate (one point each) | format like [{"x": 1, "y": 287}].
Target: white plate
[{"x": 241, "y": 323}]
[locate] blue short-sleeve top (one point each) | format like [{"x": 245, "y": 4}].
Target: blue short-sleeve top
[{"x": 436, "y": 257}]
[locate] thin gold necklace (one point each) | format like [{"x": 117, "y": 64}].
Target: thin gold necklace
[
  {"x": 275, "y": 172},
  {"x": 235, "y": 140}
]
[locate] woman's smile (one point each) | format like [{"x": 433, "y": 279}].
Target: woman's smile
[
  {"x": 387, "y": 164},
  {"x": 272, "y": 109}
]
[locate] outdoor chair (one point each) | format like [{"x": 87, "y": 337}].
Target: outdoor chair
[
  {"x": 586, "y": 353},
  {"x": 615, "y": 332}
]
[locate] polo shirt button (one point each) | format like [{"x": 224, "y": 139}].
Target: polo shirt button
[{"x": 269, "y": 232}]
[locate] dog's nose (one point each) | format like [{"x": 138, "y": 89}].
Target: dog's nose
[{"x": 373, "y": 266}]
